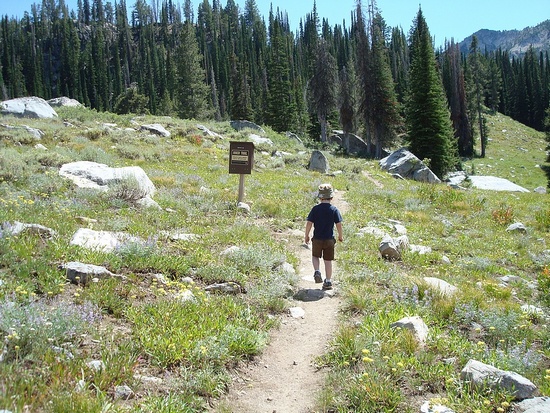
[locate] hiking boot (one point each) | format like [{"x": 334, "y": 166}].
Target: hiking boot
[
  {"x": 317, "y": 277},
  {"x": 327, "y": 285}
]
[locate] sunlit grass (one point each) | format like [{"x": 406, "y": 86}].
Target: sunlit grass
[{"x": 157, "y": 320}]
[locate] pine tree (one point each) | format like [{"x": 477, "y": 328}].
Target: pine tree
[
  {"x": 430, "y": 133},
  {"x": 192, "y": 90},
  {"x": 385, "y": 119},
  {"x": 477, "y": 73},
  {"x": 453, "y": 80},
  {"x": 379, "y": 105},
  {"x": 281, "y": 104},
  {"x": 323, "y": 87}
]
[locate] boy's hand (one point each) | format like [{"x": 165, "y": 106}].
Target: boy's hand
[
  {"x": 306, "y": 239},
  {"x": 341, "y": 238}
]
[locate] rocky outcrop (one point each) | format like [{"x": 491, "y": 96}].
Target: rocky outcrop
[
  {"x": 405, "y": 164},
  {"x": 28, "y": 107},
  {"x": 239, "y": 125},
  {"x": 483, "y": 375},
  {"x": 319, "y": 162},
  {"x": 64, "y": 101},
  {"x": 86, "y": 174}
]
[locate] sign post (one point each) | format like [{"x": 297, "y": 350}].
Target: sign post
[{"x": 241, "y": 159}]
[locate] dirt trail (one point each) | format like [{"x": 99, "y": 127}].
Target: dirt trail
[{"x": 284, "y": 379}]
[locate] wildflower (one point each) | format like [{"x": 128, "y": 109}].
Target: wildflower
[
  {"x": 400, "y": 364},
  {"x": 367, "y": 360},
  {"x": 480, "y": 343},
  {"x": 505, "y": 404},
  {"x": 386, "y": 358},
  {"x": 500, "y": 409},
  {"x": 365, "y": 351}
]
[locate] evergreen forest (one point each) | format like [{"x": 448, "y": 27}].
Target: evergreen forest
[{"x": 220, "y": 62}]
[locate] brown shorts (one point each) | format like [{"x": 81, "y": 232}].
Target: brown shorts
[{"x": 323, "y": 248}]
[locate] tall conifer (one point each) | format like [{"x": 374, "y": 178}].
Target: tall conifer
[{"x": 430, "y": 133}]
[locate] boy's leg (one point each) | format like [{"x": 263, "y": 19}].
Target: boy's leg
[
  {"x": 328, "y": 270},
  {"x": 316, "y": 252},
  {"x": 316, "y": 262},
  {"x": 328, "y": 256}
]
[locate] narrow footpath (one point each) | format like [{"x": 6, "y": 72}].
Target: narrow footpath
[{"x": 284, "y": 378}]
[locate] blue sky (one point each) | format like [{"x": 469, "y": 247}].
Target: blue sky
[{"x": 446, "y": 19}]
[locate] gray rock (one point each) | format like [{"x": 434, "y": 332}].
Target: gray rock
[
  {"x": 440, "y": 285},
  {"x": 540, "y": 190},
  {"x": 230, "y": 250},
  {"x": 391, "y": 248},
  {"x": 295, "y": 137},
  {"x": 185, "y": 296},
  {"x": 105, "y": 241},
  {"x": 86, "y": 174},
  {"x": 517, "y": 227},
  {"x": 416, "y": 325},
  {"x": 495, "y": 184},
  {"x": 286, "y": 268},
  {"x": 351, "y": 143},
  {"x": 420, "y": 249},
  {"x": 532, "y": 310},
  {"x": 225, "y": 288},
  {"x": 297, "y": 312},
  {"x": 534, "y": 405},
  {"x": 80, "y": 273},
  {"x": 377, "y": 232},
  {"x": 123, "y": 393},
  {"x": 148, "y": 202},
  {"x": 408, "y": 166},
  {"x": 242, "y": 206},
  {"x": 482, "y": 375},
  {"x": 207, "y": 132},
  {"x": 96, "y": 365},
  {"x": 319, "y": 162},
  {"x": 258, "y": 140},
  {"x": 37, "y": 134},
  {"x": 156, "y": 128},
  {"x": 239, "y": 125},
  {"x": 28, "y": 107},
  {"x": 14, "y": 228},
  {"x": 64, "y": 101}
]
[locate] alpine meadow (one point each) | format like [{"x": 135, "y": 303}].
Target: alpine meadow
[{"x": 139, "y": 275}]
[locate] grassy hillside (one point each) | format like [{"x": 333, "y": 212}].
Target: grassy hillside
[{"x": 175, "y": 355}]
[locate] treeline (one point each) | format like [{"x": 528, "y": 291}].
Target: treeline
[{"x": 227, "y": 63}]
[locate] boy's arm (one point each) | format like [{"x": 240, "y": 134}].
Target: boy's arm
[
  {"x": 309, "y": 224},
  {"x": 340, "y": 231}
]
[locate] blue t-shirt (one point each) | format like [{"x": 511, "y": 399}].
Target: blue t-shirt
[{"x": 324, "y": 216}]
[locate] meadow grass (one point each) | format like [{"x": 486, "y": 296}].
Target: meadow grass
[{"x": 175, "y": 345}]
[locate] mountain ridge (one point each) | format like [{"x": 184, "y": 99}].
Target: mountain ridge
[{"x": 516, "y": 42}]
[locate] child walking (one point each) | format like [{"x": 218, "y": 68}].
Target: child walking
[{"x": 323, "y": 217}]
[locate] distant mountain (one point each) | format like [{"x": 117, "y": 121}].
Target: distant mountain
[{"x": 515, "y": 41}]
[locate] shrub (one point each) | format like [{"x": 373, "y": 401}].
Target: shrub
[
  {"x": 30, "y": 329},
  {"x": 503, "y": 215}
]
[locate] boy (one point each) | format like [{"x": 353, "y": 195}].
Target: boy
[{"x": 322, "y": 218}]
